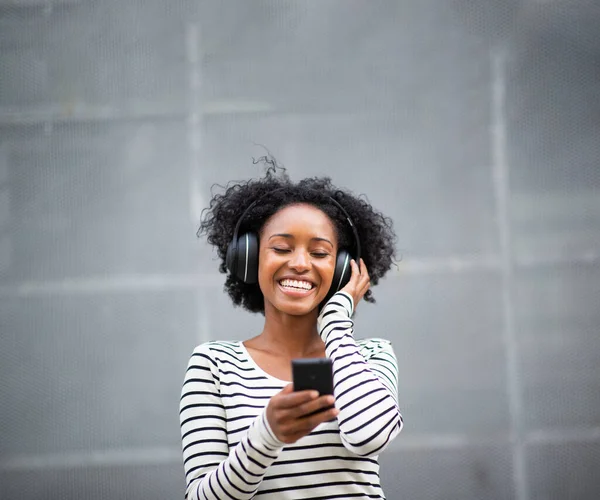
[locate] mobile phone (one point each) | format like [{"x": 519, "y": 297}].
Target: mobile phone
[{"x": 314, "y": 374}]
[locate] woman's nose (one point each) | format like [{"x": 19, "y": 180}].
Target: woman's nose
[{"x": 299, "y": 260}]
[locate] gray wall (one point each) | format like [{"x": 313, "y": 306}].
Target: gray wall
[{"x": 475, "y": 125}]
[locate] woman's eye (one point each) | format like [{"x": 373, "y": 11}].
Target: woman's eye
[
  {"x": 280, "y": 250},
  {"x": 320, "y": 255}
]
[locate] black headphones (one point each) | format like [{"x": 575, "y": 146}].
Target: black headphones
[{"x": 242, "y": 253}]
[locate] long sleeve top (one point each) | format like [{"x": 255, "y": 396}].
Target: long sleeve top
[{"x": 230, "y": 451}]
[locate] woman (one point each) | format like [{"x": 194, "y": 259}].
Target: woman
[{"x": 245, "y": 432}]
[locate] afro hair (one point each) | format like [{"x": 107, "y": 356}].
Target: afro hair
[{"x": 276, "y": 191}]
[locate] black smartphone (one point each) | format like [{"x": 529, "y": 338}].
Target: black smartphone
[{"x": 313, "y": 374}]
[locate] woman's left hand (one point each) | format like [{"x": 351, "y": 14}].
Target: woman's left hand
[{"x": 359, "y": 282}]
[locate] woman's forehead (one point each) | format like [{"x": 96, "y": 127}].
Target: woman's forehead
[{"x": 300, "y": 218}]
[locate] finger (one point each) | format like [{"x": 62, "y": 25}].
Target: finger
[
  {"x": 294, "y": 399},
  {"x": 303, "y": 426},
  {"x": 355, "y": 274},
  {"x": 363, "y": 269},
  {"x": 318, "y": 418},
  {"x": 313, "y": 406},
  {"x": 300, "y": 427},
  {"x": 362, "y": 289},
  {"x": 364, "y": 277}
]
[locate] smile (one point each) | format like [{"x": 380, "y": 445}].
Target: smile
[{"x": 298, "y": 285}]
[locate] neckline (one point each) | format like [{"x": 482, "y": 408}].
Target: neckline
[{"x": 254, "y": 364}]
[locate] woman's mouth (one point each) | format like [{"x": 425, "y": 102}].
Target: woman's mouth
[{"x": 296, "y": 288}]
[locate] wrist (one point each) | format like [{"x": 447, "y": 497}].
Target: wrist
[
  {"x": 350, "y": 307},
  {"x": 267, "y": 434}
]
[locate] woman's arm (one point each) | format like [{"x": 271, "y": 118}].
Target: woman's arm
[
  {"x": 365, "y": 392},
  {"x": 212, "y": 470}
]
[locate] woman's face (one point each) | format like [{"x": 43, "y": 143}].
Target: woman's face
[{"x": 297, "y": 254}]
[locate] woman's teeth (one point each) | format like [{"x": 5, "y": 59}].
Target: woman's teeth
[{"x": 304, "y": 285}]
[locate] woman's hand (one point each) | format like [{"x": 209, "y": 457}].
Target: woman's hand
[
  {"x": 359, "y": 282},
  {"x": 288, "y": 413}
]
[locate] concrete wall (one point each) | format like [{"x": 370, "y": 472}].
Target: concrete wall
[{"x": 475, "y": 126}]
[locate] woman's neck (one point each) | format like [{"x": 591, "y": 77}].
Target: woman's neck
[{"x": 291, "y": 336}]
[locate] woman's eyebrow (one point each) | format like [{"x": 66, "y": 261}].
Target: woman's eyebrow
[
  {"x": 321, "y": 239},
  {"x": 281, "y": 235}
]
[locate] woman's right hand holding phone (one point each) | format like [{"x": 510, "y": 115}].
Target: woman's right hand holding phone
[{"x": 291, "y": 414}]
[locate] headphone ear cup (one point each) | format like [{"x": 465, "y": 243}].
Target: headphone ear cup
[
  {"x": 251, "y": 261},
  {"x": 230, "y": 258},
  {"x": 243, "y": 263},
  {"x": 342, "y": 273}
]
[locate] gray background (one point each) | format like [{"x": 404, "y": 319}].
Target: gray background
[{"x": 474, "y": 125}]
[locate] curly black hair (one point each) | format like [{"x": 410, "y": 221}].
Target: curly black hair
[{"x": 218, "y": 221}]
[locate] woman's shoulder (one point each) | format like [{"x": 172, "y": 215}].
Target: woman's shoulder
[
  {"x": 218, "y": 356},
  {"x": 215, "y": 348}
]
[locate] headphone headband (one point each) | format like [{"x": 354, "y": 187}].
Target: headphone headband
[
  {"x": 336, "y": 203},
  {"x": 354, "y": 231}
]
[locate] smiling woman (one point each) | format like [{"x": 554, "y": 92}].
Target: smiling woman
[{"x": 292, "y": 252}]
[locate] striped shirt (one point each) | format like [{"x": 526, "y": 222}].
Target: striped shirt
[{"x": 230, "y": 451}]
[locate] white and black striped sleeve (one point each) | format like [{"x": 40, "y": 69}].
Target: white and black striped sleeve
[
  {"x": 212, "y": 470},
  {"x": 366, "y": 392}
]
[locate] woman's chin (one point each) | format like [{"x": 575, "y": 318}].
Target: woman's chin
[
  {"x": 295, "y": 302},
  {"x": 296, "y": 307}
]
